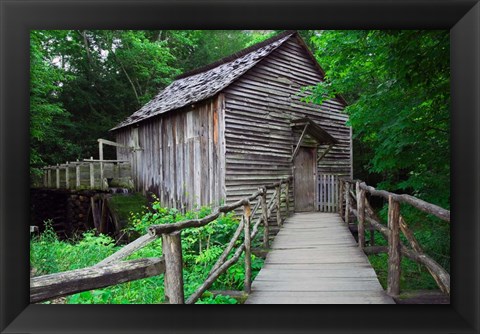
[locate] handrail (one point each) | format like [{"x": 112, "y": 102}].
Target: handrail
[
  {"x": 171, "y": 266},
  {"x": 396, "y": 224}
]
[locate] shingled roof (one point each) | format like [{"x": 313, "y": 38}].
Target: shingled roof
[{"x": 205, "y": 82}]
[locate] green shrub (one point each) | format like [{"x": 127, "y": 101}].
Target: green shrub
[{"x": 201, "y": 248}]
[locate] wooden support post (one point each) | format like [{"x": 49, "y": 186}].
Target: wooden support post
[
  {"x": 49, "y": 178},
  {"x": 67, "y": 181},
  {"x": 287, "y": 197},
  {"x": 92, "y": 175},
  {"x": 347, "y": 202},
  {"x": 77, "y": 174},
  {"x": 394, "y": 255},
  {"x": 172, "y": 252},
  {"x": 248, "y": 251},
  {"x": 265, "y": 219},
  {"x": 58, "y": 176},
  {"x": 340, "y": 199},
  {"x": 361, "y": 215},
  {"x": 100, "y": 157},
  {"x": 279, "y": 198}
]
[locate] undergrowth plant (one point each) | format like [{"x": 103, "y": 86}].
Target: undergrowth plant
[{"x": 201, "y": 248}]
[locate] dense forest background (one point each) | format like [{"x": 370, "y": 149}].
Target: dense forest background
[{"x": 83, "y": 82}]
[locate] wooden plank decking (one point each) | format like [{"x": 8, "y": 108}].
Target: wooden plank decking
[{"x": 315, "y": 260}]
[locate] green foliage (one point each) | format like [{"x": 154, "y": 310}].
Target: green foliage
[
  {"x": 84, "y": 82},
  {"x": 397, "y": 86},
  {"x": 50, "y": 255},
  {"x": 412, "y": 275},
  {"x": 201, "y": 248},
  {"x": 125, "y": 204}
]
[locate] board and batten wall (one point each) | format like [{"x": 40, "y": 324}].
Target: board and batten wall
[
  {"x": 179, "y": 155},
  {"x": 258, "y": 109}
]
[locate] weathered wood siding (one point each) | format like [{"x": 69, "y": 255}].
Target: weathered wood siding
[
  {"x": 258, "y": 110},
  {"x": 180, "y": 155}
]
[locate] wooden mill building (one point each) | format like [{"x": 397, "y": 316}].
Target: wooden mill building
[{"x": 218, "y": 133}]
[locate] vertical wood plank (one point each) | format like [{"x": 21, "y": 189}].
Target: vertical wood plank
[
  {"x": 92, "y": 175},
  {"x": 361, "y": 215},
  {"x": 100, "y": 157},
  {"x": 287, "y": 197},
  {"x": 57, "y": 170},
  {"x": 340, "y": 199},
  {"x": 172, "y": 251},
  {"x": 394, "y": 256},
  {"x": 320, "y": 193},
  {"x": 347, "y": 202},
  {"x": 49, "y": 177},
  {"x": 248, "y": 253},
  {"x": 77, "y": 174},
  {"x": 45, "y": 178},
  {"x": 67, "y": 181}
]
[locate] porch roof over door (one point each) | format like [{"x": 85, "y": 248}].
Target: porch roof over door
[{"x": 314, "y": 130}]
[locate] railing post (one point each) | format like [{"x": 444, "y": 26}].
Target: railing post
[
  {"x": 92, "y": 175},
  {"x": 67, "y": 181},
  {"x": 279, "y": 198},
  {"x": 347, "y": 202},
  {"x": 340, "y": 199},
  {"x": 287, "y": 199},
  {"x": 49, "y": 177},
  {"x": 360, "y": 215},
  {"x": 45, "y": 178},
  {"x": 57, "y": 176},
  {"x": 172, "y": 251},
  {"x": 265, "y": 218},
  {"x": 248, "y": 252},
  {"x": 394, "y": 256},
  {"x": 100, "y": 157},
  {"x": 77, "y": 174}
]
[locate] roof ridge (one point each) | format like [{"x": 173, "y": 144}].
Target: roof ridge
[{"x": 236, "y": 55}]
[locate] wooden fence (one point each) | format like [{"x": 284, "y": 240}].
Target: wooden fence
[
  {"x": 113, "y": 271},
  {"x": 353, "y": 195},
  {"x": 88, "y": 174},
  {"x": 328, "y": 188}
]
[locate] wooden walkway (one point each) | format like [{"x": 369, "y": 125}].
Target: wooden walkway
[{"x": 315, "y": 260}]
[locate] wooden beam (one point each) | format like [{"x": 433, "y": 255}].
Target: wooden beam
[
  {"x": 265, "y": 220},
  {"x": 413, "y": 201},
  {"x": 299, "y": 142},
  {"x": 92, "y": 176},
  {"x": 279, "y": 199},
  {"x": 128, "y": 250},
  {"x": 247, "y": 286},
  {"x": 324, "y": 152},
  {"x": 394, "y": 254},
  {"x": 69, "y": 282},
  {"x": 361, "y": 215},
  {"x": 172, "y": 251},
  {"x": 111, "y": 143},
  {"x": 67, "y": 176},
  {"x": 347, "y": 202}
]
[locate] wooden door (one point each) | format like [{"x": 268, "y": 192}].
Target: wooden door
[{"x": 304, "y": 175}]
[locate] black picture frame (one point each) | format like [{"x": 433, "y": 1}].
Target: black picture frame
[{"x": 19, "y": 17}]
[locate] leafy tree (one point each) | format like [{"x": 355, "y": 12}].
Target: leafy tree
[
  {"x": 46, "y": 109},
  {"x": 397, "y": 87}
]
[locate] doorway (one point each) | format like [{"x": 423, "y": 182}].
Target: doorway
[{"x": 304, "y": 177}]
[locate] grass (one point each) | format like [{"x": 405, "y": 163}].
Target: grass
[{"x": 200, "y": 249}]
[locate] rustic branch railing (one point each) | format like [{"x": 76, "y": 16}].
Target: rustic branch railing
[
  {"x": 353, "y": 196},
  {"x": 112, "y": 270}
]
